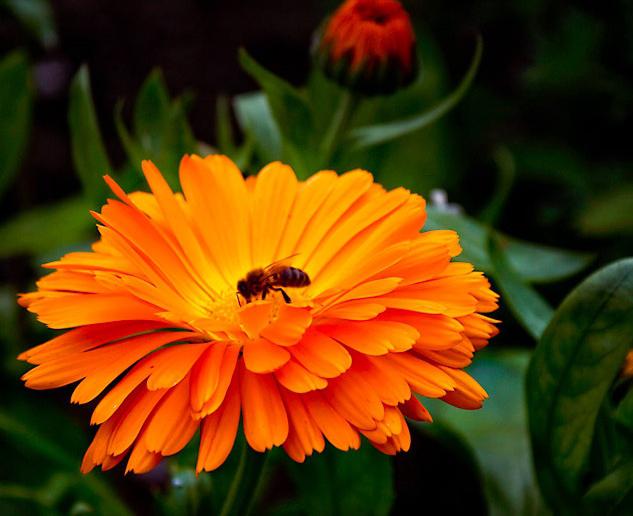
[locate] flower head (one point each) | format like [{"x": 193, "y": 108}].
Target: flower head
[
  {"x": 369, "y": 46},
  {"x": 154, "y": 310}
]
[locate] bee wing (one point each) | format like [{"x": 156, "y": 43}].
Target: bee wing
[{"x": 278, "y": 265}]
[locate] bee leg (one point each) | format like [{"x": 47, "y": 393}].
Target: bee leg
[
  {"x": 237, "y": 296},
  {"x": 264, "y": 292},
  {"x": 283, "y": 293}
]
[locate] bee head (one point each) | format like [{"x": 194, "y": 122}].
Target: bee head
[{"x": 242, "y": 288}]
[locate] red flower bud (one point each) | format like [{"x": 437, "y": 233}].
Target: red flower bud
[{"x": 368, "y": 46}]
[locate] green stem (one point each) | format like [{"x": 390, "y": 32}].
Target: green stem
[
  {"x": 247, "y": 476},
  {"x": 337, "y": 127}
]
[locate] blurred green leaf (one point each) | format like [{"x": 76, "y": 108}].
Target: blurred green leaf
[
  {"x": 40, "y": 431},
  {"x": 353, "y": 482},
  {"x": 151, "y": 113},
  {"x": 609, "y": 213},
  {"x": 506, "y": 171},
  {"x": 37, "y": 16},
  {"x": 527, "y": 305},
  {"x": 16, "y": 102},
  {"x": 187, "y": 492},
  {"x": 624, "y": 412},
  {"x": 534, "y": 263},
  {"x": 572, "y": 369},
  {"x": 161, "y": 131},
  {"x": 45, "y": 228},
  {"x": 569, "y": 55},
  {"x": 223, "y": 127},
  {"x": 89, "y": 154},
  {"x": 256, "y": 120},
  {"x": 497, "y": 433},
  {"x": 368, "y": 136},
  {"x": 292, "y": 113},
  {"x": 26, "y": 436},
  {"x": 613, "y": 495}
]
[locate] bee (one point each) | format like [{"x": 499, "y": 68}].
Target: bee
[{"x": 271, "y": 278}]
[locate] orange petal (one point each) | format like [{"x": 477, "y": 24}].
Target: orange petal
[
  {"x": 262, "y": 356},
  {"x": 172, "y": 366},
  {"x": 170, "y": 427},
  {"x": 219, "y": 431},
  {"x": 289, "y": 325},
  {"x": 265, "y": 419},
  {"x": 272, "y": 200},
  {"x": 227, "y": 370},
  {"x": 296, "y": 378},
  {"x": 205, "y": 374},
  {"x": 321, "y": 355},
  {"x": 335, "y": 428}
]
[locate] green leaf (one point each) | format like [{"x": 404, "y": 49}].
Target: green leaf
[
  {"x": 369, "y": 136},
  {"x": 534, "y": 263},
  {"x": 41, "y": 431},
  {"x": 527, "y": 305},
  {"x": 256, "y": 121},
  {"x": 151, "y": 113},
  {"x": 570, "y": 375},
  {"x": 353, "y": 482},
  {"x": 609, "y": 213},
  {"x": 624, "y": 412},
  {"x": 497, "y": 433},
  {"x": 89, "y": 155},
  {"x": 613, "y": 495},
  {"x": 16, "y": 102},
  {"x": 161, "y": 131},
  {"x": 37, "y": 17},
  {"x": 187, "y": 492},
  {"x": 223, "y": 127},
  {"x": 292, "y": 113},
  {"x": 506, "y": 170},
  {"x": 45, "y": 228}
]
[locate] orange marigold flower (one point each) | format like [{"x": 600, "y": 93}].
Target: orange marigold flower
[
  {"x": 386, "y": 314},
  {"x": 369, "y": 46}
]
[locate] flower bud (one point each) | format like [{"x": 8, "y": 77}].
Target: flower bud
[{"x": 368, "y": 46}]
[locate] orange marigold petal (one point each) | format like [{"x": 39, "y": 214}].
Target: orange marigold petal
[
  {"x": 296, "y": 378},
  {"x": 262, "y": 356},
  {"x": 218, "y": 432},
  {"x": 321, "y": 355},
  {"x": 265, "y": 419}
]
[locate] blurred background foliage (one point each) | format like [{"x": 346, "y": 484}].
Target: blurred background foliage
[{"x": 521, "y": 143}]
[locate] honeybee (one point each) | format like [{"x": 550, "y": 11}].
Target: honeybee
[{"x": 271, "y": 278}]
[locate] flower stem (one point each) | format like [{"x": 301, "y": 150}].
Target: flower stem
[
  {"x": 245, "y": 481},
  {"x": 337, "y": 127}
]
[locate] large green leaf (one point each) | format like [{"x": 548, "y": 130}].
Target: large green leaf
[
  {"x": 368, "y": 136},
  {"x": 16, "y": 100},
  {"x": 497, "y": 433},
  {"x": 534, "y": 263},
  {"x": 335, "y": 482},
  {"x": 45, "y": 228},
  {"x": 527, "y": 305},
  {"x": 89, "y": 154},
  {"x": 570, "y": 375}
]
